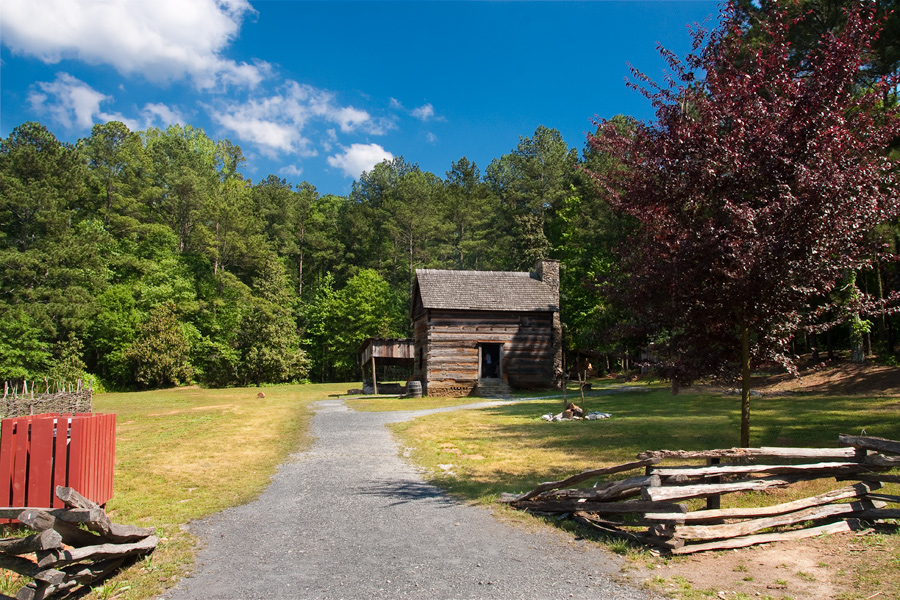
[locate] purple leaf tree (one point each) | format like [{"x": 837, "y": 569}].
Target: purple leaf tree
[{"x": 755, "y": 189}]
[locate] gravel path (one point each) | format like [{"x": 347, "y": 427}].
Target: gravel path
[{"x": 350, "y": 519}]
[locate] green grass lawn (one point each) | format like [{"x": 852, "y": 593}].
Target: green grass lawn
[
  {"x": 182, "y": 454},
  {"x": 478, "y": 454},
  {"x": 509, "y": 448}
]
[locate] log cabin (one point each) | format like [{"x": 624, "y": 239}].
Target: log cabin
[{"x": 486, "y": 333}]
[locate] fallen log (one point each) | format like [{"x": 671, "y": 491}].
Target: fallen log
[
  {"x": 730, "y": 530},
  {"x": 586, "y": 475},
  {"x": 685, "y": 492},
  {"x": 743, "y": 542},
  {"x": 700, "y": 516},
  {"x": 867, "y": 442}
]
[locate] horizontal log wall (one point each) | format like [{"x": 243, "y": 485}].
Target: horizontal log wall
[{"x": 447, "y": 342}]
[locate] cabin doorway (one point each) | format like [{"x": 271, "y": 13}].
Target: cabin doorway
[{"x": 490, "y": 361}]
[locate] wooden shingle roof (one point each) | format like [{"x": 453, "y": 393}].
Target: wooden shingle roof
[{"x": 485, "y": 290}]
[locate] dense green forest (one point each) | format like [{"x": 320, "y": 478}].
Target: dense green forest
[{"x": 146, "y": 259}]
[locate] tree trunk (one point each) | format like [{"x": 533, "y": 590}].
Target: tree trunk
[
  {"x": 857, "y": 343},
  {"x": 300, "y": 275},
  {"x": 813, "y": 345},
  {"x": 301, "y": 242},
  {"x": 890, "y": 337},
  {"x": 216, "y": 264},
  {"x": 745, "y": 386},
  {"x": 882, "y": 331},
  {"x": 868, "y": 340}
]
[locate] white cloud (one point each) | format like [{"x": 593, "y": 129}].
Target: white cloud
[
  {"x": 74, "y": 104},
  {"x": 160, "y": 115},
  {"x": 292, "y": 171},
  {"x": 359, "y": 158},
  {"x": 276, "y": 123},
  {"x": 424, "y": 112},
  {"x": 350, "y": 118},
  {"x": 161, "y": 39},
  {"x": 431, "y": 138}
]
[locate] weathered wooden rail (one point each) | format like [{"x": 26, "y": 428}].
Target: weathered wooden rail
[
  {"x": 647, "y": 508},
  {"x": 71, "y": 547}
]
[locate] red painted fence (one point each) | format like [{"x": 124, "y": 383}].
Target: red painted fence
[{"x": 40, "y": 452}]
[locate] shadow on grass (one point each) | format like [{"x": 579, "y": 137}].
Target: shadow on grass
[{"x": 517, "y": 450}]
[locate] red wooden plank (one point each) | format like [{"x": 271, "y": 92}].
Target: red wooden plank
[
  {"x": 93, "y": 439},
  {"x": 102, "y": 457},
  {"x": 111, "y": 462},
  {"x": 60, "y": 458},
  {"x": 87, "y": 461},
  {"x": 97, "y": 470},
  {"x": 83, "y": 486},
  {"x": 76, "y": 454},
  {"x": 20, "y": 467},
  {"x": 7, "y": 460},
  {"x": 40, "y": 463},
  {"x": 107, "y": 453}
]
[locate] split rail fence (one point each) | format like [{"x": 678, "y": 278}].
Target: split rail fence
[
  {"x": 650, "y": 507},
  {"x": 72, "y": 547}
]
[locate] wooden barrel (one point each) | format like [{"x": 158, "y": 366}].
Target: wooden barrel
[{"x": 414, "y": 389}]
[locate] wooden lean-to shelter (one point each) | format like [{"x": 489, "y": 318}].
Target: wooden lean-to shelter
[
  {"x": 379, "y": 351},
  {"x": 486, "y": 332}
]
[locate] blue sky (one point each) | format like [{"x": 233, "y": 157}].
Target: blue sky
[{"x": 320, "y": 91}]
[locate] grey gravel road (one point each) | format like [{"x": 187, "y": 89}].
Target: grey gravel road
[{"x": 351, "y": 519}]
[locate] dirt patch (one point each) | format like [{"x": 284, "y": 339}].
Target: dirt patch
[
  {"x": 194, "y": 408},
  {"x": 847, "y": 565},
  {"x": 836, "y": 378}
]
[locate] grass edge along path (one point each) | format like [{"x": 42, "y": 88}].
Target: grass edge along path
[
  {"x": 183, "y": 454},
  {"x": 478, "y": 454}
]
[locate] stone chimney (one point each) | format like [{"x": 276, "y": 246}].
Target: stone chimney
[{"x": 547, "y": 270}]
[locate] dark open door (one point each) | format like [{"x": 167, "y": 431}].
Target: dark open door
[{"x": 490, "y": 361}]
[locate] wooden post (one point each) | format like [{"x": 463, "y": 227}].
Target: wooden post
[
  {"x": 714, "y": 502},
  {"x": 374, "y": 383},
  {"x": 581, "y": 382}
]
